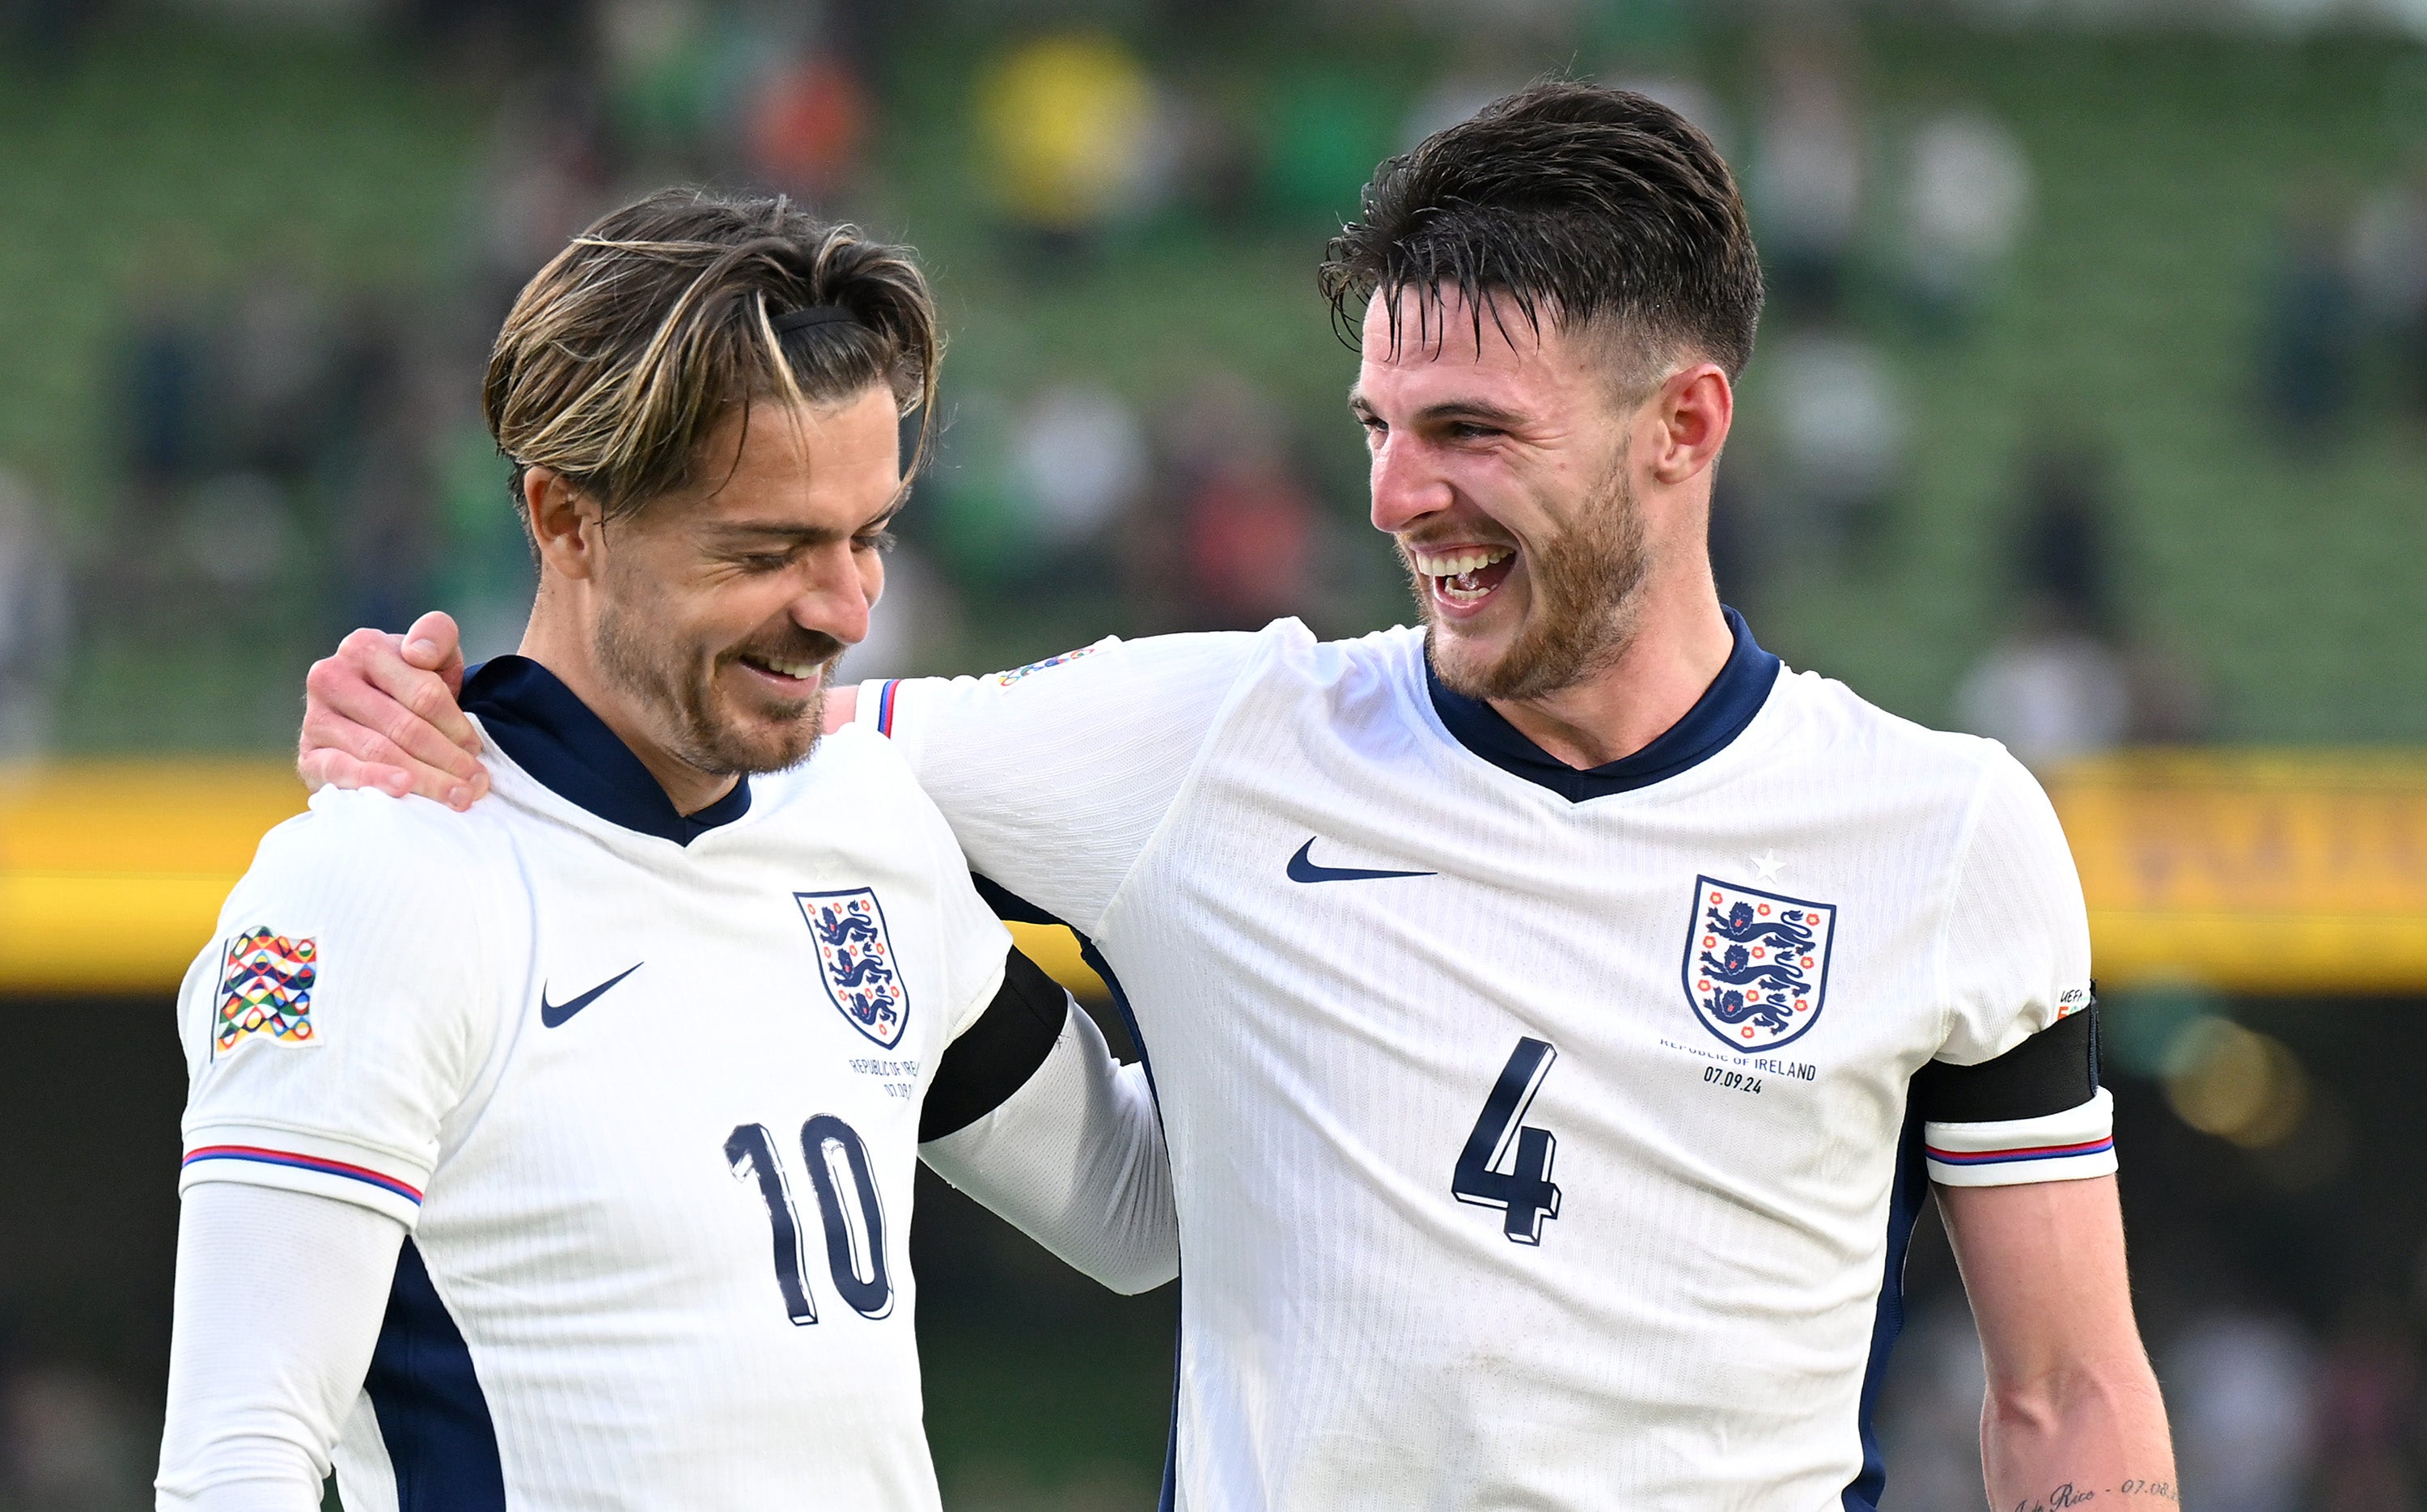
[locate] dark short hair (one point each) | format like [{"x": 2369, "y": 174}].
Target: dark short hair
[
  {"x": 633, "y": 344},
  {"x": 1569, "y": 201}
]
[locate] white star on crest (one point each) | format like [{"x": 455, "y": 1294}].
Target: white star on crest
[{"x": 1769, "y": 863}]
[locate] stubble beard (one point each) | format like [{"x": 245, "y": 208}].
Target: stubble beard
[
  {"x": 1587, "y": 586},
  {"x": 660, "y": 675}
]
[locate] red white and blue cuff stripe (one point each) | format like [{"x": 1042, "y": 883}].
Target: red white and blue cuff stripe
[
  {"x": 884, "y": 710},
  {"x": 2062, "y": 1147},
  {"x": 302, "y": 1171}
]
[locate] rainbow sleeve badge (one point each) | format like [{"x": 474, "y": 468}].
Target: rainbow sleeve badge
[{"x": 266, "y": 990}]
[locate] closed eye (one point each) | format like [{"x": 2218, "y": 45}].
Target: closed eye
[{"x": 878, "y": 541}]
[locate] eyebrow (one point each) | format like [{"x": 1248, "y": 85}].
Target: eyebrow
[
  {"x": 737, "y": 532},
  {"x": 1467, "y": 409}
]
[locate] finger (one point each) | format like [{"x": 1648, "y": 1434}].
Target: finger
[
  {"x": 398, "y": 695},
  {"x": 342, "y": 704},
  {"x": 434, "y": 645},
  {"x": 327, "y": 767},
  {"x": 341, "y": 749},
  {"x": 348, "y": 714}
]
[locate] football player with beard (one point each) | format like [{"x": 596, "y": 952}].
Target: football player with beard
[{"x": 1559, "y": 1011}]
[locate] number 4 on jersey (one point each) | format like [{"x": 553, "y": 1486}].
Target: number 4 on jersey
[{"x": 1524, "y": 1189}]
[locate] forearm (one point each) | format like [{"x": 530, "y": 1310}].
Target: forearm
[
  {"x": 278, "y": 1305},
  {"x": 1075, "y": 1160},
  {"x": 2093, "y": 1433},
  {"x": 2073, "y": 1412}
]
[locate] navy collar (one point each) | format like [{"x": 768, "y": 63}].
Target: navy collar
[
  {"x": 551, "y": 734},
  {"x": 1735, "y": 696}
]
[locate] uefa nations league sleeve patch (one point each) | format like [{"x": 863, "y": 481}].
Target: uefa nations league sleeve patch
[
  {"x": 1756, "y": 965},
  {"x": 855, "y": 961},
  {"x": 266, "y": 990},
  {"x": 1004, "y": 680}
]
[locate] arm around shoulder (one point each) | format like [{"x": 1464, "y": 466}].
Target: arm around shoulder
[{"x": 1055, "y": 776}]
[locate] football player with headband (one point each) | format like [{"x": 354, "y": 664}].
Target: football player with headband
[
  {"x": 1560, "y": 1009},
  {"x": 560, "y": 1155}
]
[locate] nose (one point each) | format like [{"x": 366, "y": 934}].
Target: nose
[
  {"x": 1405, "y": 486},
  {"x": 835, "y": 590}
]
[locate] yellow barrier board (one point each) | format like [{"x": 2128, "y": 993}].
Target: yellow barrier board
[
  {"x": 2253, "y": 870},
  {"x": 112, "y": 873},
  {"x": 2242, "y": 870}
]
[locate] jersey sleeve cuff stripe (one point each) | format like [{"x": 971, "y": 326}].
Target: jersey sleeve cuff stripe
[
  {"x": 2023, "y": 1168},
  {"x": 2040, "y": 1152},
  {"x": 2071, "y": 1145},
  {"x": 304, "y": 1163}
]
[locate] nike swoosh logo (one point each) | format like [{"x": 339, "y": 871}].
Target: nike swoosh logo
[
  {"x": 1302, "y": 868},
  {"x": 553, "y": 1014}
]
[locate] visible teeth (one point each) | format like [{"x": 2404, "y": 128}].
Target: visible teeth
[
  {"x": 1461, "y": 588},
  {"x": 790, "y": 669},
  {"x": 1458, "y": 564}
]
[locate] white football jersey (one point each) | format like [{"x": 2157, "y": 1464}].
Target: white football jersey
[
  {"x": 1540, "y": 1138},
  {"x": 644, "y": 1089}
]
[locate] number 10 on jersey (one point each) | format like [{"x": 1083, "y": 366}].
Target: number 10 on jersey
[
  {"x": 1524, "y": 1189},
  {"x": 848, "y": 1205}
]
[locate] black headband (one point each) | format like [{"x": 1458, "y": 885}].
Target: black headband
[{"x": 816, "y": 314}]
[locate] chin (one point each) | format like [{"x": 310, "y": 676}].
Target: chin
[
  {"x": 1473, "y": 665},
  {"x": 778, "y": 748},
  {"x": 760, "y": 739}
]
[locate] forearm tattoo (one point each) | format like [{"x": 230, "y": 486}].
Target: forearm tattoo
[{"x": 2070, "y": 1495}]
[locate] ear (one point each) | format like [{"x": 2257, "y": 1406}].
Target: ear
[
  {"x": 561, "y": 516},
  {"x": 1690, "y": 419}
]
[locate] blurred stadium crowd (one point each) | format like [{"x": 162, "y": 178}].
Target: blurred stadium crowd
[{"x": 2090, "y": 410}]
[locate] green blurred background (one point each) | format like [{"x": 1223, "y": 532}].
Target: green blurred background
[{"x": 2091, "y": 411}]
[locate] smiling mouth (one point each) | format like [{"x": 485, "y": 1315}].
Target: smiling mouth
[
  {"x": 798, "y": 676},
  {"x": 1463, "y": 577}
]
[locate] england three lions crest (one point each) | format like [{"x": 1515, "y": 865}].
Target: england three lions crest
[
  {"x": 1756, "y": 964},
  {"x": 855, "y": 961}
]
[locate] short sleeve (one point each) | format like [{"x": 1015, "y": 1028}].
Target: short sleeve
[
  {"x": 2014, "y": 951},
  {"x": 2013, "y": 1096},
  {"x": 339, "y": 1014},
  {"x": 1054, "y": 776}
]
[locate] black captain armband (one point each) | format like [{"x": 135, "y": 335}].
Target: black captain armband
[
  {"x": 2056, "y": 1070},
  {"x": 2034, "y": 1114},
  {"x": 996, "y": 1056}
]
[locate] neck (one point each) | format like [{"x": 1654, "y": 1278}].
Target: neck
[
  {"x": 1680, "y": 642},
  {"x": 565, "y": 650}
]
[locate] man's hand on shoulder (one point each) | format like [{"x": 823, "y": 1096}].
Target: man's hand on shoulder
[{"x": 383, "y": 713}]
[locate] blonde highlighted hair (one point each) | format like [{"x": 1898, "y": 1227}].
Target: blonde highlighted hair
[{"x": 634, "y": 343}]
